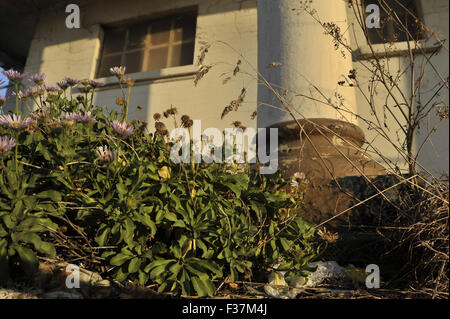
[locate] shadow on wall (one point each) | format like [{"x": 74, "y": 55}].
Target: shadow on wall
[
  {"x": 58, "y": 51},
  {"x": 139, "y": 104}
]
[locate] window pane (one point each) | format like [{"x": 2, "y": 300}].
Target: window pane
[
  {"x": 391, "y": 30},
  {"x": 113, "y": 41},
  {"x": 107, "y": 63},
  {"x": 133, "y": 61},
  {"x": 160, "y": 31},
  {"x": 182, "y": 54},
  {"x": 136, "y": 36},
  {"x": 184, "y": 28},
  {"x": 158, "y": 58}
]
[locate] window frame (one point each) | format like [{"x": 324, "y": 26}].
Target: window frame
[
  {"x": 170, "y": 44},
  {"x": 395, "y": 48}
]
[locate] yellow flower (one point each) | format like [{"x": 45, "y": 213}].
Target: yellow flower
[{"x": 164, "y": 172}]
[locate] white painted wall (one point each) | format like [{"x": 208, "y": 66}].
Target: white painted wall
[
  {"x": 434, "y": 156},
  {"x": 58, "y": 52}
]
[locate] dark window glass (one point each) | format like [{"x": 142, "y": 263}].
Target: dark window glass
[
  {"x": 158, "y": 58},
  {"x": 133, "y": 61},
  {"x": 396, "y": 24},
  {"x": 114, "y": 40},
  {"x": 182, "y": 54},
  {"x": 160, "y": 32},
  {"x": 107, "y": 63}
]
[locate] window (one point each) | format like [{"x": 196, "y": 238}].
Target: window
[
  {"x": 390, "y": 28},
  {"x": 149, "y": 45}
]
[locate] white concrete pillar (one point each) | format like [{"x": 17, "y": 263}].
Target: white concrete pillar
[{"x": 291, "y": 36}]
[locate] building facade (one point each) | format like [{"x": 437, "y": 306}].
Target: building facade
[{"x": 160, "y": 41}]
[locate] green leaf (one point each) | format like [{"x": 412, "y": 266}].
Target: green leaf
[
  {"x": 47, "y": 248},
  {"x": 8, "y": 221},
  {"x": 143, "y": 277},
  {"x": 134, "y": 265},
  {"x": 119, "y": 259},
  {"x": 207, "y": 264},
  {"x": 171, "y": 216},
  {"x": 121, "y": 275},
  {"x": 28, "y": 259},
  {"x": 203, "y": 286},
  {"x": 129, "y": 231},
  {"x": 52, "y": 194},
  {"x": 157, "y": 263},
  {"x": 286, "y": 266},
  {"x": 285, "y": 243},
  {"x": 234, "y": 188},
  {"x": 121, "y": 188},
  {"x": 147, "y": 221},
  {"x": 103, "y": 237}
]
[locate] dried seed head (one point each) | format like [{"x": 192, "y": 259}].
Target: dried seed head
[
  {"x": 156, "y": 116},
  {"x": 172, "y": 110},
  {"x": 201, "y": 73},
  {"x": 352, "y": 74},
  {"x": 160, "y": 126},
  {"x": 226, "y": 110},
  {"x": 185, "y": 118},
  {"x": 188, "y": 123},
  {"x": 120, "y": 101}
]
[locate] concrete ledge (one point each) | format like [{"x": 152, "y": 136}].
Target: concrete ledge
[
  {"x": 358, "y": 55},
  {"x": 150, "y": 76}
]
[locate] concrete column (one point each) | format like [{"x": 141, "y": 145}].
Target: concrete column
[{"x": 289, "y": 35}]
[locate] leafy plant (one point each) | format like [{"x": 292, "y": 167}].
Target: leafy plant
[{"x": 105, "y": 191}]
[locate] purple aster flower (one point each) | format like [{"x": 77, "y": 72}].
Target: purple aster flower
[
  {"x": 21, "y": 95},
  {"x": 14, "y": 76},
  {"x": 124, "y": 128},
  {"x": 105, "y": 154},
  {"x": 38, "y": 78},
  {"x": 71, "y": 82},
  {"x": 84, "y": 88},
  {"x": 83, "y": 118},
  {"x": 34, "y": 91},
  {"x": 63, "y": 85},
  {"x": 69, "y": 118},
  {"x": 96, "y": 84},
  {"x": 6, "y": 144},
  {"x": 51, "y": 88},
  {"x": 15, "y": 121}
]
